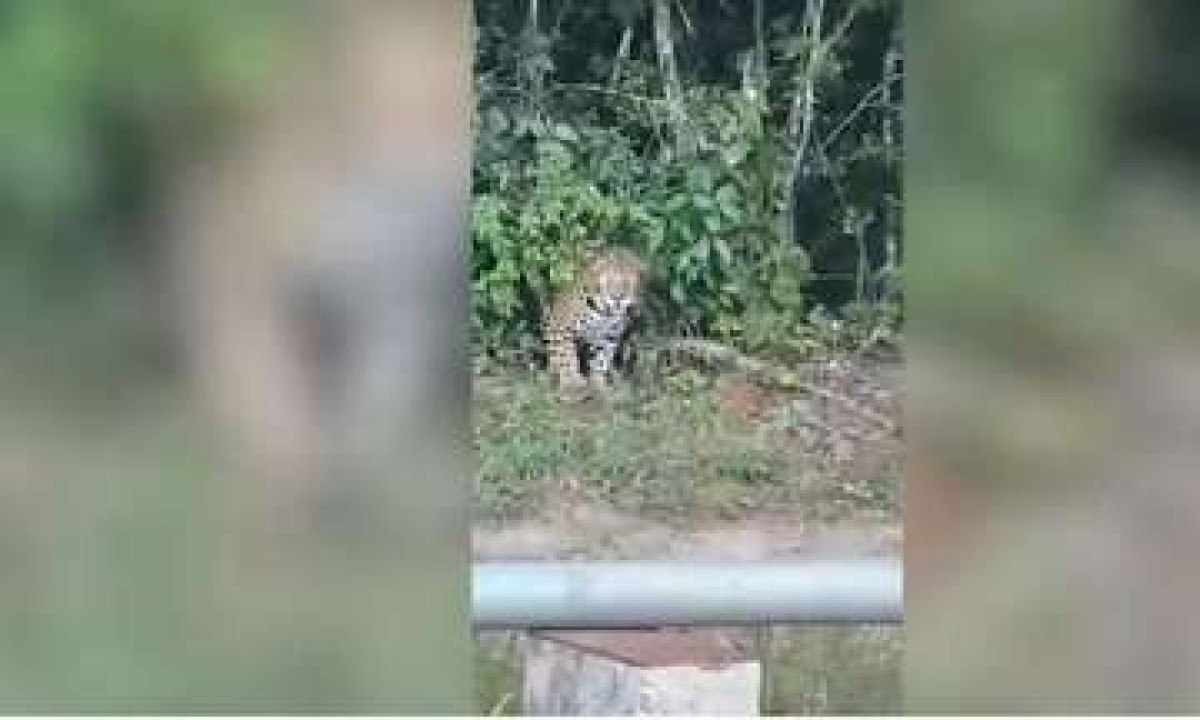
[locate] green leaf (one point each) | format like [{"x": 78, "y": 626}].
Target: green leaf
[
  {"x": 699, "y": 179},
  {"x": 565, "y": 133},
  {"x": 678, "y": 294},
  {"x": 675, "y": 203},
  {"x": 729, "y": 200},
  {"x": 722, "y": 248}
]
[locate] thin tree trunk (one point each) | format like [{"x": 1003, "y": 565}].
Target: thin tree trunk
[
  {"x": 672, "y": 88},
  {"x": 760, "y": 50},
  {"x": 891, "y": 230},
  {"x": 622, "y": 55},
  {"x": 533, "y": 70},
  {"x": 804, "y": 104},
  {"x": 864, "y": 267},
  {"x": 800, "y": 120}
]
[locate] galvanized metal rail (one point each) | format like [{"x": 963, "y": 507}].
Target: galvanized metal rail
[{"x": 643, "y": 595}]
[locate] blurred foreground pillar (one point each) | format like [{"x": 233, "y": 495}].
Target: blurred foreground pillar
[
  {"x": 667, "y": 672},
  {"x": 320, "y": 263},
  {"x": 1052, "y": 497}
]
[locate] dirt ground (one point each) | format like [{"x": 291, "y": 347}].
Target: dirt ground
[
  {"x": 824, "y": 669},
  {"x": 592, "y": 533}
]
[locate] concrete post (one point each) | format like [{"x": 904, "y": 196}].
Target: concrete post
[{"x": 667, "y": 672}]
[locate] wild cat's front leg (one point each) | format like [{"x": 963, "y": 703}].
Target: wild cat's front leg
[{"x": 600, "y": 363}]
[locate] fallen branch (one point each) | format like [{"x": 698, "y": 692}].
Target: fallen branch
[{"x": 715, "y": 353}]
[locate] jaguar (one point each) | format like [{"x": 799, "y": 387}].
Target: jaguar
[{"x": 586, "y": 327}]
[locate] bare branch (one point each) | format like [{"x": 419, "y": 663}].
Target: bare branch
[
  {"x": 878, "y": 90},
  {"x": 840, "y": 30},
  {"x": 672, "y": 88}
]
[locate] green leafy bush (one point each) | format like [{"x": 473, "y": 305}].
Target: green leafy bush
[
  {"x": 536, "y": 214},
  {"x": 708, "y": 224}
]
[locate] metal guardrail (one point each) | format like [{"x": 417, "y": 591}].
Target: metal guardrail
[{"x": 643, "y": 595}]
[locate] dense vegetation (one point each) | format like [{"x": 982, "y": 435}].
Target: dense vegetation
[{"x": 751, "y": 151}]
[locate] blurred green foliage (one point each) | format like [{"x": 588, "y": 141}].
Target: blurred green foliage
[{"x": 98, "y": 98}]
